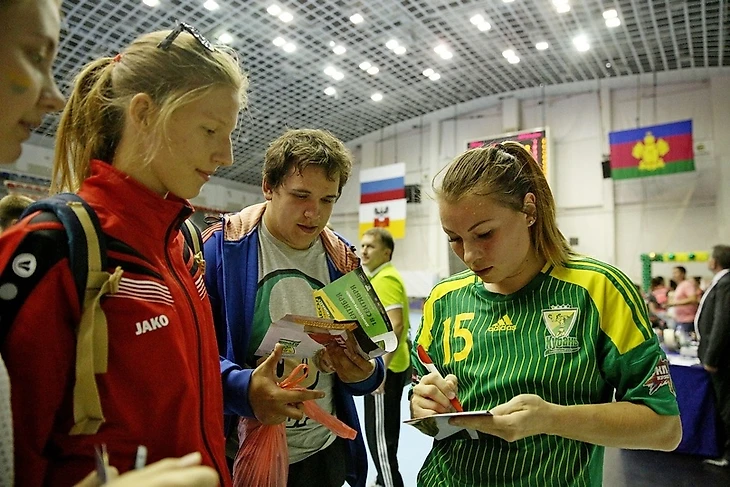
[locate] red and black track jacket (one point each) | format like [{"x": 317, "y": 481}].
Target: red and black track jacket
[{"x": 162, "y": 388}]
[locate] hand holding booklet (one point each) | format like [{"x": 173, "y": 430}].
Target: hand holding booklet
[
  {"x": 348, "y": 309},
  {"x": 304, "y": 336},
  {"x": 438, "y": 425}
]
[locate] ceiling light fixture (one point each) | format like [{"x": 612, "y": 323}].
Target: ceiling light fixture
[
  {"x": 435, "y": 77},
  {"x": 211, "y": 5},
  {"x": 428, "y": 72},
  {"x": 508, "y": 53},
  {"x": 400, "y": 50},
  {"x": 286, "y": 17},
  {"x": 513, "y": 60},
  {"x": 338, "y": 76},
  {"x": 561, "y": 6},
  {"x": 289, "y": 47},
  {"x": 610, "y": 14},
  {"x": 279, "y": 41},
  {"x": 151, "y": 3},
  {"x": 581, "y": 43},
  {"x": 373, "y": 70},
  {"x": 541, "y": 46},
  {"x": 392, "y": 44},
  {"x": 356, "y": 19},
  {"x": 225, "y": 38},
  {"x": 330, "y": 91},
  {"x": 365, "y": 65},
  {"x": 443, "y": 51},
  {"x": 274, "y": 10},
  {"x": 339, "y": 49},
  {"x": 613, "y": 22},
  {"x": 376, "y": 97},
  {"x": 480, "y": 22}
]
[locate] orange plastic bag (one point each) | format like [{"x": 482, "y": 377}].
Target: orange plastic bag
[{"x": 263, "y": 457}]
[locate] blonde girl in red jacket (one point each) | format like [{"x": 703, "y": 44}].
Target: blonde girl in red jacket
[{"x": 141, "y": 132}]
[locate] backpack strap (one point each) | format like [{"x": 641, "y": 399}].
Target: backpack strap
[
  {"x": 87, "y": 255},
  {"x": 79, "y": 248},
  {"x": 194, "y": 240}
]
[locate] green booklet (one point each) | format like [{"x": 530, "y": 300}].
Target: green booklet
[{"x": 352, "y": 297}]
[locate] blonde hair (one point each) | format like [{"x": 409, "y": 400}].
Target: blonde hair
[
  {"x": 507, "y": 172},
  {"x": 302, "y": 147},
  {"x": 11, "y": 207},
  {"x": 92, "y": 122}
]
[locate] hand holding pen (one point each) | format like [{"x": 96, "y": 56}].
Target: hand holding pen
[
  {"x": 428, "y": 363},
  {"x": 434, "y": 394}
]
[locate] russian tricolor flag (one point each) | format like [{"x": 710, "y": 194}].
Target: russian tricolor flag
[
  {"x": 383, "y": 199},
  {"x": 652, "y": 151}
]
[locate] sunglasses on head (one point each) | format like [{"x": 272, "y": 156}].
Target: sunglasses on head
[{"x": 184, "y": 26}]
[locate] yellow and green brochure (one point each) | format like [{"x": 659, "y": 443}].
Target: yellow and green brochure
[{"x": 347, "y": 308}]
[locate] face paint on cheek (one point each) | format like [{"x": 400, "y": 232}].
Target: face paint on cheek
[{"x": 19, "y": 84}]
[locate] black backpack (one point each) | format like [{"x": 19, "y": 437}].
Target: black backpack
[{"x": 88, "y": 262}]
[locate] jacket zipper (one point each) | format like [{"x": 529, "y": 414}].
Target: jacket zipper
[{"x": 174, "y": 273}]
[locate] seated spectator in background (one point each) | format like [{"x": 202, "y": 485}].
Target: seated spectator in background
[
  {"x": 557, "y": 346},
  {"x": 684, "y": 301},
  {"x": 656, "y": 299},
  {"x": 700, "y": 287},
  {"x": 11, "y": 207}
]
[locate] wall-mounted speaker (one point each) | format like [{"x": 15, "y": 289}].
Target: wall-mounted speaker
[{"x": 606, "y": 168}]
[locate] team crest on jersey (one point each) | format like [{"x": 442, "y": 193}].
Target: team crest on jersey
[
  {"x": 660, "y": 378},
  {"x": 559, "y": 321}
]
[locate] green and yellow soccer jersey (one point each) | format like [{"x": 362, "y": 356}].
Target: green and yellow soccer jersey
[{"x": 576, "y": 334}]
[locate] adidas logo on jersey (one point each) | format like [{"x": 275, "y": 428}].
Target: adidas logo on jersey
[{"x": 504, "y": 324}]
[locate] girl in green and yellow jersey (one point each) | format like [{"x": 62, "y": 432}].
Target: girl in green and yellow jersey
[{"x": 541, "y": 337}]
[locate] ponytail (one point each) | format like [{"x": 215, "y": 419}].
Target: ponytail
[
  {"x": 90, "y": 126},
  {"x": 549, "y": 242}
]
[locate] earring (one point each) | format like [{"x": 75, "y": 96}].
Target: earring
[{"x": 530, "y": 222}]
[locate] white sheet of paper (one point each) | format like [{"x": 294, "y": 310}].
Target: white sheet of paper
[
  {"x": 297, "y": 342},
  {"x": 438, "y": 425}
]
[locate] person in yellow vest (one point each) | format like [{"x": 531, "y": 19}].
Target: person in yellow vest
[{"x": 382, "y": 407}]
